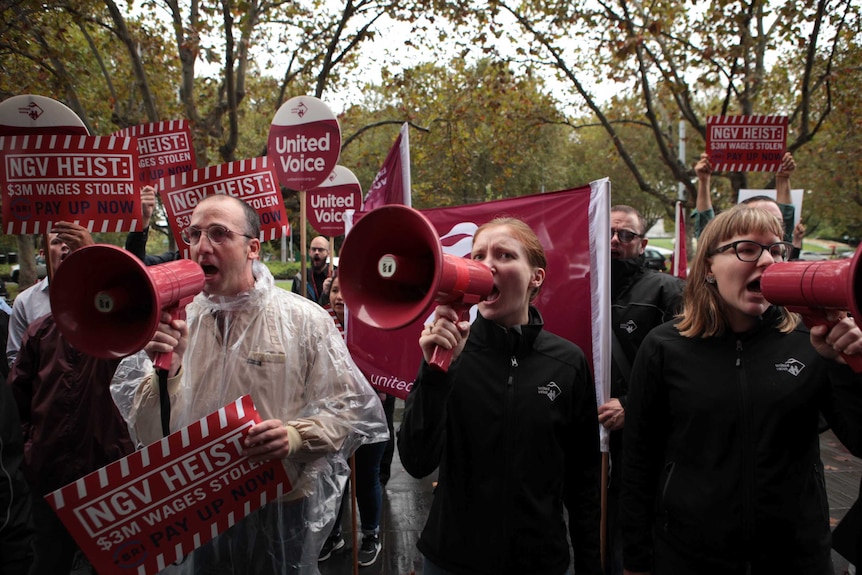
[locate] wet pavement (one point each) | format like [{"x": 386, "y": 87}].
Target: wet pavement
[
  {"x": 406, "y": 502},
  {"x": 843, "y": 473}
]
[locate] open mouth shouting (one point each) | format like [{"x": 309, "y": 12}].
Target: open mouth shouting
[{"x": 493, "y": 296}]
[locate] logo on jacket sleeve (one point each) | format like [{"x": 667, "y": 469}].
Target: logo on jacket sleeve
[
  {"x": 552, "y": 390},
  {"x": 630, "y": 326},
  {"x": 792, "y": 366}
]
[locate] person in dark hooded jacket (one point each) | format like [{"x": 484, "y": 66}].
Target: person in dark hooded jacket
[
  {"x": 722, "y": 471},
  {"x": 641, "y": 299},
  {"x": 16, "y": 523},
  {"x": 512, "y": 426}
]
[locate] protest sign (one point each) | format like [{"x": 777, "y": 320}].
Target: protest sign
[
  {"x": 796, "y": 197},
  {"x": 31, "y": 114},
  {"x": 746, "y": 143},
  {"x": 164, "y": 149},
  {"x": 155, "y": 506},
  {"x": 304, "y": 142},
  {"x": 326, "y": 204},
  {"x": 252, "y": 181},
  {"x": 89, "y": 180}
]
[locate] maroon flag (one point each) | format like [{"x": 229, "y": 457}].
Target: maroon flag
[
  {"x": 572, "y": 226},
  {"x": 392, "y": 183},
  {"x": 680, "y": 257}
]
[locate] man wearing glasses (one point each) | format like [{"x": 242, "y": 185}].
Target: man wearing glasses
[
  {"x": 245, "y": 335},
  {"x": 641, "y": 299}
]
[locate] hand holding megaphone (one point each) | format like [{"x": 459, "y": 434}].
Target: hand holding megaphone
[
  {"x": 819, "y": 291},
  {"x": 169, "y": 342},
  {"x": 443, "y": 339},
  {"x": 840, "y": 336}
]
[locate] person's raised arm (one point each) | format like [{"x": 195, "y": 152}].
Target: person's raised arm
[
  {"x": 782, "y": 195},
  {"x": 136, "y": 242},
  {"x": 782, "y": 180},
  {"x": 703, "y": 169},
  {"x": 703, "y": 212}
]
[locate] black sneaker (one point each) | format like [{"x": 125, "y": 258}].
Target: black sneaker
[
  {"x": 332, "y": 543},
  {"x": 369, "y": 550}
]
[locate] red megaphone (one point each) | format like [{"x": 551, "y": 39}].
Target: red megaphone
[
  {"x": 392, "y": 267},
  {"x": 108, "y": 304},
  {"x": 812, "y": 289}
]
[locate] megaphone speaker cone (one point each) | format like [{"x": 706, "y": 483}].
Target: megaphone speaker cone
[
  {"x": 392, "y": 268},
  {"x": 108, "y": 304},
  {"x": 389, "y": 266}
]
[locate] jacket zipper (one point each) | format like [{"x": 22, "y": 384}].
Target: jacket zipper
[
  {"x": 510, "y": 399},
  {"x": 747, "y": 451}
]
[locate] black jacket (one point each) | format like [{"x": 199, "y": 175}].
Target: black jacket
[
  {"x": 514, "y": 430},
  {"x": 721, "y": 447},
  {"x": 641, "y": 299},
  {"x": 314, "y": 285},
  {"x": 16, "y": 524},
  {"x": 136, "y": 243}
]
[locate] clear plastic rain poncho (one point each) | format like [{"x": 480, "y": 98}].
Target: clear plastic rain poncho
[{"x": 286, "y": 352}]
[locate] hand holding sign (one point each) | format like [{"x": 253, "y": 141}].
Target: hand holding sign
[{"x": 143, "y": 512}]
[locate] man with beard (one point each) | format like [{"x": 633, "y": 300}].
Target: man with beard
[
  {"x": 641, "y": 299},
  {"x": 318, "y": 276}
]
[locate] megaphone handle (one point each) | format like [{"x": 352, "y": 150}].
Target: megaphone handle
[
  {"x": 811, "y": 318},
  {"x": 163, "y": 360},
  {"x": 441, "y": 357}
]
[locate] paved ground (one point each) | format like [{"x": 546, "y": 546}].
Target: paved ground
[
  {"x": 406, "y": 502},
  {"x": 843, "y": 473}
]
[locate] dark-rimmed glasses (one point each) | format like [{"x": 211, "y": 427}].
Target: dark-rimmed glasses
[
  {"x": 216, "y": 234},
  {"x": 749, "y": 251},
  {"x": 625, "y": 236}
]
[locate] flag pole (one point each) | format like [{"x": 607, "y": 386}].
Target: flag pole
[
  {"x": 303, "y": 249},
  {"x": 603, "y": 523}
]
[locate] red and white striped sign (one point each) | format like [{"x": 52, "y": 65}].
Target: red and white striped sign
[
  {"x": 155, "y": 506},
  {"x": 746, "y": 143},
  {"x": 252, "y": 181},
  {"x": 89, "y": 180},
  {"x": 164, "y": 149}
]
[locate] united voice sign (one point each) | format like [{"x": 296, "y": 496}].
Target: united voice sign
[
  {"x": 142, "y": 513},
  {"x": 327, "y": 204},
  {"x": 304, "y": 142}
]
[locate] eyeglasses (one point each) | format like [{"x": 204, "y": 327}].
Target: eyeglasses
[
  {"x": 749, "y": 251},
  {"x": 625, "y": 236},
  {"x": 216, "y": 234}
]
